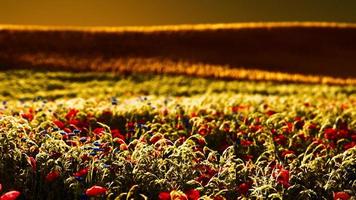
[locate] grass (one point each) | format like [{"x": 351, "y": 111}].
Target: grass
[{"x": 92, "y": 135}]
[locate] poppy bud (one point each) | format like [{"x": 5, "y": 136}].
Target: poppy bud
[
  {"x": 95, "y": 191},
  {"x": 193, "y": 194},
  {"x": 12, "y": 195},
  {"x": 53, "y": 175},
  {"x": 164, "y": 196}
]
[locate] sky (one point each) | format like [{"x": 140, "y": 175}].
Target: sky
[{"x": 171, "y": 12}]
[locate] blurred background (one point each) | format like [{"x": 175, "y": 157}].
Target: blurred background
[{"x": 166, "y": 12}]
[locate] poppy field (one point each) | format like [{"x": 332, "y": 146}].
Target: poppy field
[{"x": 66, "y": 135}]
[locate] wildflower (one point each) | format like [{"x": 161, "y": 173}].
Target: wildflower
[
  {"x": 81, "y": 172},
  {"x": 330, "y": 134},
  {"x": 193, "y": 114},
  {"x": 28, "y": 116},
  {"x": 12, "y": 195},
  {"x": 59, "y": 124},
  {"x": 243, "y": 188},
  {"x": 280, "y": 139},
  {"x": 130, "y": 125},
  {"x": 203, "y": 131},
  {"x": 99, "y": 131},
  {"x": 116, "y": 134},
  {"x": 342, "y": 134},
  {"x": 52, "y": 176},
  {"x": 156, "y": 137},
  {"x": 282, "y": 176},
  {"x": 270, "y": 112},
  {"x": 193, "y": 194},
  {"x": 246, "y": 143},
  {"x": 95, "y": 191},
  {"x": 288, "y": 128},
  {"x": 71, "y": 114},
  {"x": 341, "y": 196},
  {"x": 164, "y": 196},
  {"x": 349, "y": 145},
  {"x": 312, "y": 126},
  {"x": 255, "y": 128},
  {"x": 287, "y": 152}
]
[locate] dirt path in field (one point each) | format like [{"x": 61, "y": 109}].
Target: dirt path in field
[{"x": 326, "y": 49}]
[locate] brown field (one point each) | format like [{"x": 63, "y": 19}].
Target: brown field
[{"x": 288, "y": 52}]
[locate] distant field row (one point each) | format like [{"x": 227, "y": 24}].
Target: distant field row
[{"x": 28, "y": 85}]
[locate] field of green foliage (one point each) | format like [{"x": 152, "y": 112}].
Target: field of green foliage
[{"x": 104, "y": 136}]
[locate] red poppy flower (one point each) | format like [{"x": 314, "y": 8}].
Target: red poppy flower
[
  {"x": 74, "y": 122},
  {"x": 236, "y": 108},
  {"x": 255, "y": 128},
  {"x": 95, "y": 191},
  {"x": 156, "y": 137},
  {"x": 130, "y": 125},
  {"x": 349, "y": 145},
  {"x": 71, "y": 113},
  {"x": 283, "y": 177},
  {"x": 67, "y": 130},
  {"x": 343, "y": 134},
  {"x": 52, "y": 176},
  {"x": 288, "y": 128},
  {"x": 28, "y": 116},
  {"x": 246, "y": 143},
  {"x": 341, "y": 196},
  {"x": 81, "y": 172},
  {"x": 270, "y": 112},
  {"x": 59, "y": 124},
  {"x": 287, "y": 152},
  {"x": 116, "y": 134},
  {"x": 203, "y": 131},
  {"x": 312, "y": 126},
  {"x": 330, "y": 134},
  {"x": 280, "y": 139},
  {"x": 243, "y": 188},
  {"x": 164, "y": 196},
  {"x": 99, "y": 131},
  {"x": 12, "y": 195},
  {"x": 193, "y": 194},
  {"x": 353, "y": 137}
]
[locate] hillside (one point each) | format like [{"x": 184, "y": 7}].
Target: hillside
[{"x": 316, "y": 52}]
